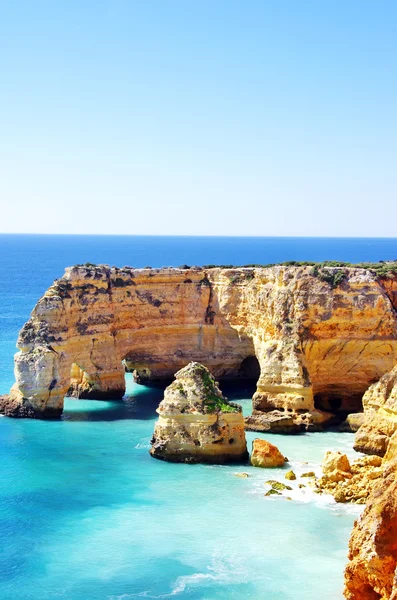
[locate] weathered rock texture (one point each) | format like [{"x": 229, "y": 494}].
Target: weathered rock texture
[
  {"x": 196, "y": 423},
  {"x": 349, "y": 482},
  {"x": 317, "y": 346},
  {"x": 372, "y": 571},
  {"x": 380, "y": 416},
  {"x": 266, "y": 455}
]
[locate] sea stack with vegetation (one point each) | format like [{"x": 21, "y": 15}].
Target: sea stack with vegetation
[{"x": 196, "y": 423}]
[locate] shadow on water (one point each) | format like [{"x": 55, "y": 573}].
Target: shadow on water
[
  {"x": 140, "y": 403},
  {"x": 236, "y": 390}
]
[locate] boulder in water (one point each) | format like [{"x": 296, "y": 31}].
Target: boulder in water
[{"x": 264, "y": 454}]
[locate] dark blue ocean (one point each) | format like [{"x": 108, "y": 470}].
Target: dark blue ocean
[{"x": 86, "y": 514}]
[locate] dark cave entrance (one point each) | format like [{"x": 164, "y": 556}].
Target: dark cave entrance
[
  {"x": 250, "y": 369},
  {"x": 339, "y": 404},
  {"x": 243, "y": 385}
]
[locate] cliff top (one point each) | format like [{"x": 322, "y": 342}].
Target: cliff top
[
  {"x": 331, "y": 272},
  {"x": 382, "y": 267}
]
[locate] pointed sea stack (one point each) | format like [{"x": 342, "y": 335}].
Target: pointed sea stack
[{"x": 196, "y": 423}]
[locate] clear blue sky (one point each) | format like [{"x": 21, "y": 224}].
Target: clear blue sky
[{"x": 199, "y": 117}]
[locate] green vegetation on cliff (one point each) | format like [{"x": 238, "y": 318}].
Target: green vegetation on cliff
[{"x": 197, "y": 377}]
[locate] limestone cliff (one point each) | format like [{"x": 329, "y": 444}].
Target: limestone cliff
[
  {"x": 372, "y": 571},
  {"x": 380, "y": 416},
  {"x": 318, "y": 339},
  {"x": 196, "y": 423}
]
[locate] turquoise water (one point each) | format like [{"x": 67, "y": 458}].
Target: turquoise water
[{"x": 87, "y": 514}]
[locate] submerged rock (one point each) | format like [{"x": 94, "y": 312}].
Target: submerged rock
[
  {"x": 196, "y": 423},
  {"x": 265, "y": 454},
  {"x": 272, "y": 492},
  {"x": 278, "y": 485}
]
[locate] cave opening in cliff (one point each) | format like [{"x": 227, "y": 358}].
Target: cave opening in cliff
[
  {"x": 250, "y": 369},
  {"x": 243, "y": 385},
  {"x": 340, "y": 404}
]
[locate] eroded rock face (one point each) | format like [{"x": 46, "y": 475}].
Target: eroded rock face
[
  {"x": 266, "y": 455},
  {"x": 380, "y": 416},
  {"x": 371, "y": 573},
  {"x": 349, "y": 482},
  {"x": 315, "y": 346},
  {"x": 196, "y": 423},
  {"x": 335, "y": 466}
]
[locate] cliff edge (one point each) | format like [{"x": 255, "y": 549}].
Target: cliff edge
[{"x": 313, "y": 338}]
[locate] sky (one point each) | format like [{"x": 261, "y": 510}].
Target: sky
[{"x": 199, "y": 117}]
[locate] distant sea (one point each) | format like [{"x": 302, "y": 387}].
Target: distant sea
[{"x": 86, "y": 514}]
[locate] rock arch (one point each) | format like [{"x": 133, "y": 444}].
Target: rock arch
[{"x": 307, "y": 337}]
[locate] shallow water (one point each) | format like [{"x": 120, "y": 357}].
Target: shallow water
[{"x": 86, "y": 514}]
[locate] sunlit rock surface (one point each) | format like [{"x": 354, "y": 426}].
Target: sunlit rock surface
[
  {"x": 380, "y": 416},
  {"x": 196, "y": 423},
  {"x": 349, "y": 482},
  {"x": 371, "y": 573},
  {"x": 266, "y": 455},
  {"x": 314, "y": 342}
]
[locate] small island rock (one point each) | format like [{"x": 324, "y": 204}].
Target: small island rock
[
  {"x": 196, "y": 423},
  {"x": 264, "y": 454}
]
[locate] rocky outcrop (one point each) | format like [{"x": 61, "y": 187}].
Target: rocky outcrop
[
  {"x": 372, "y": 571},
  {"x": 349, "y": 482},
  {"x": 266, "y": 455},
  {"x": 315, "y": 339},
  {"x": 352, "y": 423},
  {"x": 196, "y": 423},
  {"x": 380, "y": 416}
]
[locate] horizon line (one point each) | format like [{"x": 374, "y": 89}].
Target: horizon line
[{"x": 180, "y": 235}]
